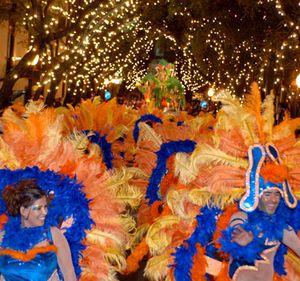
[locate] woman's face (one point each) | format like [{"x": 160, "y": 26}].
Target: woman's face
[{"x": 35, "y": 214}]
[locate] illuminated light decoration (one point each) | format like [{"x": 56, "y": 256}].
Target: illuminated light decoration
[
  {"x": 116, "y": 81},
  {"x": 203, "y": 104},
  {"x": 16, "y": 58},
  {"x": 105, "y": 28},
  {"x": 107, "y": 95},
  {"x": 210, "y": 92},
  {"x": 298, "y": 80}
]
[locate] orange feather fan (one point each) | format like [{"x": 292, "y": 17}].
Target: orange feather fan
[{"x": 233, "y": 143}]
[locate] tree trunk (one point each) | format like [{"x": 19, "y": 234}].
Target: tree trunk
[
  {"x": 58, "y": 74},
  {"x": 69, "y": 95},
  {"x": 10, "y": 79}
]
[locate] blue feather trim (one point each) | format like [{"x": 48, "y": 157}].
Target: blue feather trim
[
  {"x": 206, "y": 226},
  {"x": 166, "y": 150},
  {"x": 294, "y": 215},
  {"x": 105, "y": 147},
  {"x": 279, "y": 259},
  {"x": 146, "y": 117},
  {"x": 68, "y": 201},
  {"x": 264, "y": 227},
  {"x": 248, "y": 253},
  {"x": 30, "y": 235}
]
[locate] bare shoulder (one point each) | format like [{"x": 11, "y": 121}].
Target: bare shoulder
[
  {"x": 56, "y": 233},
  {"x": 54, "y": 230}
]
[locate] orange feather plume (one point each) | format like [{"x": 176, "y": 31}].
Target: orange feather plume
[
  {"x": 253, "y": 105},
  {"x": 136, "y": 256},
  {"x": 274, "y": 173},
  {"x": 156, "y": 209},
  {"x": 199, "y": 265},
  {"x": 3, "y": 220},
  {"x": 223, "y": 275},
  {"x": 233, "y": 143},
  {"x": 223, "y": 178}
]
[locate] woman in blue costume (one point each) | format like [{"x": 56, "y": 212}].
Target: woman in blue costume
[{"x": 38, "y": 252}]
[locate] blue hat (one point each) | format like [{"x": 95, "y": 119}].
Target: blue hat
[{"x": 256, "y": 185}]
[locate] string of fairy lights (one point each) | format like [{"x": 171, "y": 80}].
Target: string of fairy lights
[
  {"x": 112, "y": 41},
  {"x": 291, "y": 44}
]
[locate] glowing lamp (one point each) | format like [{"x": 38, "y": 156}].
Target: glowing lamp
[
  {"x": 211, "y": 92},
  {"x": 107, "y": 95},
  {"x": 35, "y": 60},
  {"x": 298, "y": 80},
  {"x": 203, "y": 104}
]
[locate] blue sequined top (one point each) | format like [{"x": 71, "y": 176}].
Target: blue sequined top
[{"x": 40, "y": 268}]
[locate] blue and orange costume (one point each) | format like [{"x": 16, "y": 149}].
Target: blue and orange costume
[{"x": 29, "y": 253}]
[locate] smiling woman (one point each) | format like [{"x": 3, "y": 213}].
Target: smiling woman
[
  {"x": 44, "y": 249},
  {"x": 36, "y": 213},
  {"x": 28, "y": 201}
]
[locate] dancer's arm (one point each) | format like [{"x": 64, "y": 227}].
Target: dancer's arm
[
  {"x": 291, "y": 240},
  {"x": 239, "y": 234},
  {"x": 63, "y": 255}
]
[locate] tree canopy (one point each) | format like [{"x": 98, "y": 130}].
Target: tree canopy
[{"x": 223, "y": 43}]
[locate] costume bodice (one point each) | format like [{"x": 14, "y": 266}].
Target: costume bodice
[{"x": 38, "y": 268}]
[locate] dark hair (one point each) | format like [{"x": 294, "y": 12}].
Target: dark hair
[{"x": 23, "y": 193}]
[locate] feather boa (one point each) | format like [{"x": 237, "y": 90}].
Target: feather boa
[
  {"x": 67, "y": 201},
  {"x": 271, "y": 226},
  {"x": 248, "y": 253},
  {"x": 166, "y": 150},
  {"x": 146, "y": 117},
  {"x": 29, "y": 255},
  {"x": 30, "y": 235},
  {"x": 184, "y": 255},
  {"x": 105, "y": 147}
]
